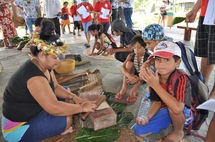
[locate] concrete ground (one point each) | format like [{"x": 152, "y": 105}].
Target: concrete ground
[{"x": 11, "y": 59}]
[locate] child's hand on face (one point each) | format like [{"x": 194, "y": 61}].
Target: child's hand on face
[{"x": 151, "y": 78}]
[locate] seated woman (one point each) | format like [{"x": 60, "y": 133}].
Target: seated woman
[
  {"x": 31, "y": 108},
  {"x": 130, "y": 69},
  {"x": 103, "y": 40}
]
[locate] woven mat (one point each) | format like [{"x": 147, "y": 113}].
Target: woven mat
[{"x": 88, "y": 51}]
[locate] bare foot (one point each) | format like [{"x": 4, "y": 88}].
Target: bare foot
[
  {"x": 67, "y": 131},
  {"x": 173, "y": 137}
]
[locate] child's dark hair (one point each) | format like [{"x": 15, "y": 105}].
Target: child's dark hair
[
  {"x": 47, "y": 31},
  {"x": 176, "y": 58},
  {"x": 65, "y": 3},
  {"x": 97, "y": 27},
  {"x": 38, "y": 21},
  {"x": 138, "y": 39}
]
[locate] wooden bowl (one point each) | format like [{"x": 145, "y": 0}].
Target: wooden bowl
[{"x": 65, "y": 66}]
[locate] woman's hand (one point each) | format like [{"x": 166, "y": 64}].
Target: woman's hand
[
  {"x": 88, "y": 106},
  {"x": 152, "y": 79},
  {"x": 79, "y": 100}
]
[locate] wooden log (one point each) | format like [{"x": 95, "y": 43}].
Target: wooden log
[
  {"x": 69, "y": 77},
  {"x": 99, "y": 100},
  {"x": 100, "y": 119}
]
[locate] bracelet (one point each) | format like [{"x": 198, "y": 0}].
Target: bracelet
[{"x": 82, "y": 109}]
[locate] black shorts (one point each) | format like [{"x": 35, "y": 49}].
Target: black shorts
[
  {"x": 77, "y": 24},
  {"x": 205, "y": 41}
]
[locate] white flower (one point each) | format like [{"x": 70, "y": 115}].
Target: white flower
[
  {"x": 45, "y": 47},
  {"x": 38, "y": 46}
]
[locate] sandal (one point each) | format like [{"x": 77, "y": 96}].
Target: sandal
[
  {"x": 118, "y": 97},
  {"x": 131, "y": 100}
]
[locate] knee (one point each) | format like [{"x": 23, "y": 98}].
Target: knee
[{"x": 129, "y": 65}]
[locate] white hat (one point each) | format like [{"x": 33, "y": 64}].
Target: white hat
[{"x": 166, "y": 49}]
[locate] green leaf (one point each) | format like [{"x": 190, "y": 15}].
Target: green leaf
[
  {"x": 124, "y": 118},
  {"x": 104, "y": 135},
  {"x": 177, "y": 20},
  {"x": 109, "y": 95},
  {"x": 117, "y": 106}
]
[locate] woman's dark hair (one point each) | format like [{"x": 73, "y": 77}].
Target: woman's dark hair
[
  {"x": 138, "y": 39},
  {"x": 176, "y": 58},
  {"x": 34, "y": 50},
  {"x": 97, "y": 27},
  {"x": 38, "y": 21}
]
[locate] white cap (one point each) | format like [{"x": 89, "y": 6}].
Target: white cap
[{"x": 166, "y": 49}]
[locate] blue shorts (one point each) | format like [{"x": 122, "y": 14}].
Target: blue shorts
[
  {"x": 159, "y": 121},
  {"x": 44, "y": 126},
  {"x": 86, "y": 26}
]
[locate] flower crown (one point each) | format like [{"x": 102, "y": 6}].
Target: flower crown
[{"x": 50, "y": 49}]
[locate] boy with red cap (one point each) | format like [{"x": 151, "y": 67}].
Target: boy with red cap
[{"x": 169, "y": 106}]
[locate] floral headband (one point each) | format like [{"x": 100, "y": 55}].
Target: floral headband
[{"x": 51, "y": 49}]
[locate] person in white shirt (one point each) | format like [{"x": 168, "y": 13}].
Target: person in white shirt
[
  {"x": 51, "y": 10},
  {"x": 31, "y": 11},
  {"x": 128, "y": 11}
]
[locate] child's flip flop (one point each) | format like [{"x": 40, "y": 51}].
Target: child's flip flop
[
  {"x": 118, "y": 97},
  {"x": 131, "y": 100}
]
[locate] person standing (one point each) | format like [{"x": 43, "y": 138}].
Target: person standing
[
  {"x": 104, "y": 21},
  {"x": 120, "y": 11},
  {"x": 86, "y": 22},
  {"x": 31, "y": 10},
  {"x": 65, "y": 17},
  {"x": 51, "y": 10},
  {"x": 6, "y": 25},
  {"x": 128, "y": 11},
  {"x": 76, "y": 17},
  {"x": 204, "y": 47},
  {"x": 115, "y": 6}
]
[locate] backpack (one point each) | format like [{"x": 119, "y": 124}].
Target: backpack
[
  {"x": 113, "y": 42},
  {"x": 196, "y": 99}
]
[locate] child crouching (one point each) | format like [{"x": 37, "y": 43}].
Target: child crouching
[
  {"x": 103, "y": 40},
  {"x": 131, "y": 68},
  {"x": 169, "y": 105}
]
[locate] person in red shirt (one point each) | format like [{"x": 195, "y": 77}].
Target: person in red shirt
[
  {"x": 76, "y": 17},
  {"x": 104, "y": 21},
  {"x": 86, "y": 22},
  {"x": 65, "y": 17},
  {"x": 204, "y": 48}
]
